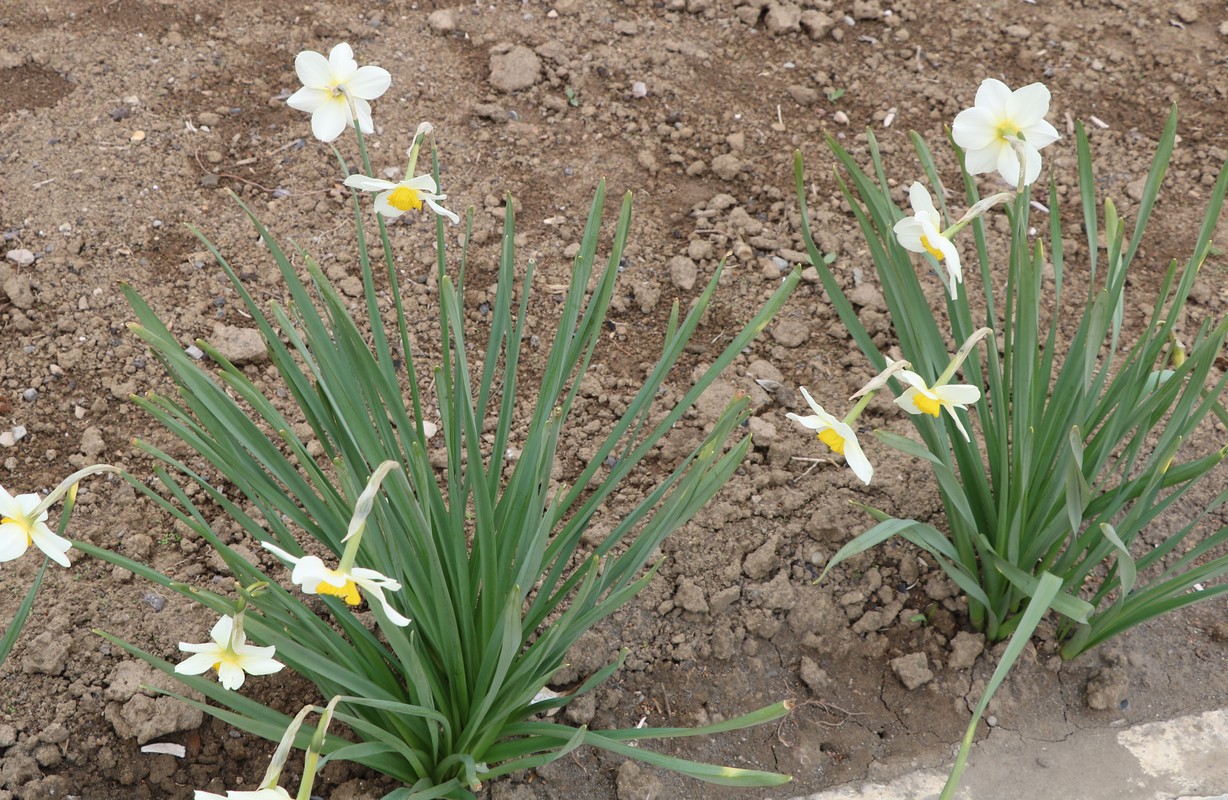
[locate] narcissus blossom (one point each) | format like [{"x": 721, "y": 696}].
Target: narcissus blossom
[
  {"x": 394, "y": 199},
  {"x": 313, "y": 577},
  {"x": 921, "y": 399},
  {"x": 1000, "y": 116},
  {"x": 920, "y": 233},
  {"x": 331, "y": 85},
  {"x": 837, "y": 435},
  {"x": 229, "y": 654},
  {"x": 274, "y": 793},
  {"x": 20, "y": 527}
]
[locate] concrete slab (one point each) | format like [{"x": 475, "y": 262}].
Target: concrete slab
[{"x": 1180, "y": 759}]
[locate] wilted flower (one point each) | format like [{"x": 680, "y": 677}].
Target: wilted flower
[
  {"x": 921, "y": 399},
  {"x": 336, "y": 90},
  {"x": 313, "y": 577},
  {"x": 229, "y": 654},
  {"x": 20, "y": 527},
  {"x": 837, "y": 435},
  {"x": 1000, "y": 117},
  {"x": 394, "y": 199},
  {"x": 920, "y": 233}
]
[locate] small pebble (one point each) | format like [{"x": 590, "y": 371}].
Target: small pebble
[
  {"x": 19, "y": 432},
  {"x": 195, "y": 352},
  {"x": 30, "y": 395},
  {"x": 639, "y": 89},
  {"x": 155, "y": 601},
  {"x": 137, "y": 136},
  {"x": 20, "y": 257},
  {"x": 6, "y": 439}
]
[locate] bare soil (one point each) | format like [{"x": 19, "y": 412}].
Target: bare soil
[{"x": 122, "y": 122}]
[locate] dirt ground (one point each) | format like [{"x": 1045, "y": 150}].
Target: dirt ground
[{"x": 123, "y": 121}]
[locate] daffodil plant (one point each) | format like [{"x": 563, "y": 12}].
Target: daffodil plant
[
  {"x": 434, "y": 604},
  {"x": 1073, "y": 443}
]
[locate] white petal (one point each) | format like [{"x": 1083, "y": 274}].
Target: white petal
[
  {"x": 1041, "y": 134},
  {"x": 341, "y": 62},
  {"x": 165, "y": 748},
  {"x": 54, "y": 546},
  {"x": 1008, "y": 167},
  {"x": 260, "y": 665},
  {"x": 13, "y": 541},
  {"x": 950, "y": 259},
  {"x": 369, "y": 83},
  {"x": 197, "y": 664},
  {"x": 993, "y": 95},
  {"x": 231, "y": 676},
  {"x": 363, "y": 109},
  {"x": 440, "y": 210},
  {"x": 367, "y": 184},
  {"x": 422, "y": 183},
  {"x": 1028, "y": 105},
  {"x": 907, "y": 401},
  {"x": 908, "y": 234},
  {"x": 313, "y": 70},
  {"x": 814, "y": 423},
  {"x": 393, "y": 615},
  {"x": 958, "y": 423},
  {"x": 828, "y": 419},
  {"x": 384, "y": 208},
  {"x": 984, "y": 159},
  {"x": 974, "y": 128},
  {"x": 330, "y": 119},
  {"x": 914, "y": 380},
  {"x": 922, "y": 204},
  {"x": 221, "y": 630},
  {"x": 856, "y": 459},
  {"x": 960, "y": 394},
  {"x": 277, "y": 551},
  {"x": 309, "y": 99}
]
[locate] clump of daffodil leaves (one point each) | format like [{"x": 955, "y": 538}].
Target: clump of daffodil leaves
[
  {"x": 429, "y": 607},
  {"x": 1072, "y": 444}
]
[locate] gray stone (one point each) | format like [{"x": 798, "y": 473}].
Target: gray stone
[
  {"x": 682, "y": 272},
  {"x": 965, "y": 648},
  {"x": 791, "y": 332},
  {"x": 912, "y": 670},
  {"x": 816, "y": 23},
  {"x": 782, "y": 18},
  {"x": 813, "y": 676},
  {"x": 17, "y": 287},
  {"x": 726, "y": 166},
  {"x": 237, "y": 345},
  {"x": 515, "y": 69},
  {"x": 633, "y": 782},
  {"x": 21, "y": 257},
  {"x": 760, "y": 562},
  {"x": 148, "y": 718},
  {"x": 1107, "y": 689},
  {"x": 646, "y": 296},
  {"x": 690, "y": 597},
  {"x": 47, "y": 654},
  {"x": 442, "y": 20},
  {"x": 92, "y": 443}
]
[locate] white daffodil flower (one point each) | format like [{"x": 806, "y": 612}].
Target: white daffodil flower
[
  {"x": 20, "y": 527},
  {"x": 272, "y": 793},
  {"x": 838, "y": 436},
  {"x": 229, "y": 654},
  {"x": 920, "y": 233},
  {"x": 1000, "y": 116},
  {"x": 335, "y": 90},
  {"x": 313, "y": 577},
  {"x": 921, "y": 399},
  {"x": 394, "y": 199}
]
